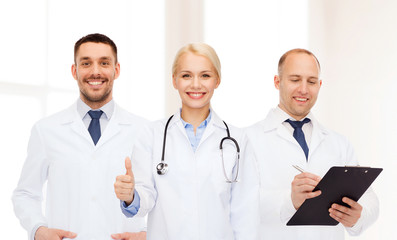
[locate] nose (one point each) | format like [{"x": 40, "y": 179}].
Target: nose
[
  {"x": 196, "y": 83},
  {"x": 303, "y": 88},
  {"x": 95, "y": 70}
]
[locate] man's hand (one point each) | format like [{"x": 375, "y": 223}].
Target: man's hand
[
  {"x": 130, "y": 236},
  {"x": 44, "y": 233},
  {"x": 125, "y": 184},
  {"x": 347, "y": 216},
  {"x": 302, "y": 187}
]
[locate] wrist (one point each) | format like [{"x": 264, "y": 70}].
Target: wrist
[
  {"x": 127, "y": 203},
  {"x": 39, "y": 232}
]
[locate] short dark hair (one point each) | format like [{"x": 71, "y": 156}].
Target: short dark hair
[
  {"x": 296, "y": 50},
  {"x": 96, "y": 38}
]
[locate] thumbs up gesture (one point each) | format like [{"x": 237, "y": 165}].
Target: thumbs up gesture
[{"x": 125, "y": 184}]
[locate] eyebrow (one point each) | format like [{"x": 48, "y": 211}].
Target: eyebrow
[
  {"x": 88, "y": 58},
  {"x": 297, "y": 75},
  {"x": 188, "y": 71},
  {"x": 294, "y": 75},
  {"x": 84, "y": 58}
]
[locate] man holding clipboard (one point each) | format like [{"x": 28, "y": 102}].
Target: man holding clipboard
[{"x": 290, "y": 135}]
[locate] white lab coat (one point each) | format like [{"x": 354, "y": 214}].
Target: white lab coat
[
  {"x": 276, "y": 151},
  {"x": 80, "y": 193},
  {"x": 193, "y": 200}
]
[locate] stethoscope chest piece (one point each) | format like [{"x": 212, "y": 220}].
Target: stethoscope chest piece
[{"x": 162, "y": 168}]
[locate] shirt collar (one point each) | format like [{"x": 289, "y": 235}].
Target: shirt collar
[
  {"x": 281, "y": 116},
  {"x": 203, "y": 124},
  {"x": 83, "y": 108}
]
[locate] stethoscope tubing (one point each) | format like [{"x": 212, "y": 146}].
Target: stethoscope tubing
[
  {"x": 165, "y": 137},
  {"x": 162, "y": 167}
]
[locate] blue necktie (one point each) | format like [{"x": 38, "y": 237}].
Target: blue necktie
[
  {"x": 299, "y": 135},
  {"x": 95, "y": 128}
]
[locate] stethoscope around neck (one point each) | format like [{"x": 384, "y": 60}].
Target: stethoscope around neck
[{"x": 162, "y": 167}]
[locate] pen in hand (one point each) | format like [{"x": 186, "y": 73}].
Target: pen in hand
[{"x": 298, "y": 168}]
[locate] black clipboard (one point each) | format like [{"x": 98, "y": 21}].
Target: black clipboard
[{"x": 337, "y": 183}]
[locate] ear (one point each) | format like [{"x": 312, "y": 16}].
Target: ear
[
  {"x": 74, "y": 71},
  {"x": 174, "y": 81},
  {"x": 217, "y": 82},
  {"x": 277, "y": 81},
  {"x": 321, "y": 82},
  {"x": 117, "y": 71}
]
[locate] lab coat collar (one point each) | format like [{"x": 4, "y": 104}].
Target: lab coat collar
[
  {"x": 73, "y": 118},
  {"x": 275, "y": 118},
  {"x": 176, "y": 121},
  {"x": 71, "y": 114},
  {"x": 272, "y": 120},
  {"x": 215, "y": 120},
  {"x": 214, "y": 123},
  {"x": 114, "y": 126},
  {"x": 319, "y": 133}
]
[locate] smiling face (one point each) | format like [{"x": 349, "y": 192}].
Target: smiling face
[
  {"x": 95, "y": 71},
  {"x": 298, "y": 84},
  {"x": 195, "y": 79}
]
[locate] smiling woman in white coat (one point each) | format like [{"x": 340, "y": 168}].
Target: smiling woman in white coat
[{"x": 206, "y": 185}]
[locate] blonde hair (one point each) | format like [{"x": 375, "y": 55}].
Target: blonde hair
[{"x": 201, "y": 49}]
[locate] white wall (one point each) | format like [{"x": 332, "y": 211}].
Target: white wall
[
  {"x": 249, "y": 37},
  {"x": 356, "y": 42}
]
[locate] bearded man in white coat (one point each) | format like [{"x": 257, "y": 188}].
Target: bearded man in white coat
[
  {"x": 76, "y": 152},
  {"x": 276, "y": 150}
]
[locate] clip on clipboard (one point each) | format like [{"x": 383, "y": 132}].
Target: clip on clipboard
[{"x": 337, "y": 183}]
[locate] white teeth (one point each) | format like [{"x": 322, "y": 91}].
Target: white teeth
[
  {"x": 196, "y": 94},
  {"x": 94, "y": 83},
  {"x": 301, "y": 99}
]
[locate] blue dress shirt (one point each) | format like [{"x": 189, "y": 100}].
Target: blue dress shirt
[{"x": 195, "y": 139}]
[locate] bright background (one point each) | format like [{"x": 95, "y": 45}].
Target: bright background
[{"x": 354, "y": 40}]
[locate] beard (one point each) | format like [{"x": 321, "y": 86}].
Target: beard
[{"x": 95, "y": 98}]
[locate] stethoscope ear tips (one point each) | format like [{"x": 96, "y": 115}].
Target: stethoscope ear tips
[{"x": 162, "y": 168}]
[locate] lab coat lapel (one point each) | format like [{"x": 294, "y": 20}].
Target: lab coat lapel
[
  {"x": 214, "y": 123},
  {"x": 210, "y": 129},
  {"x": 318, "y": 135},
  {"x": 73, "y": 118},
  {"x": 272, "y": 122},
  {"x": 283, "y": 133},
  {"x": 176, "y": 120},
  {"x": 113, "y": 127}
]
